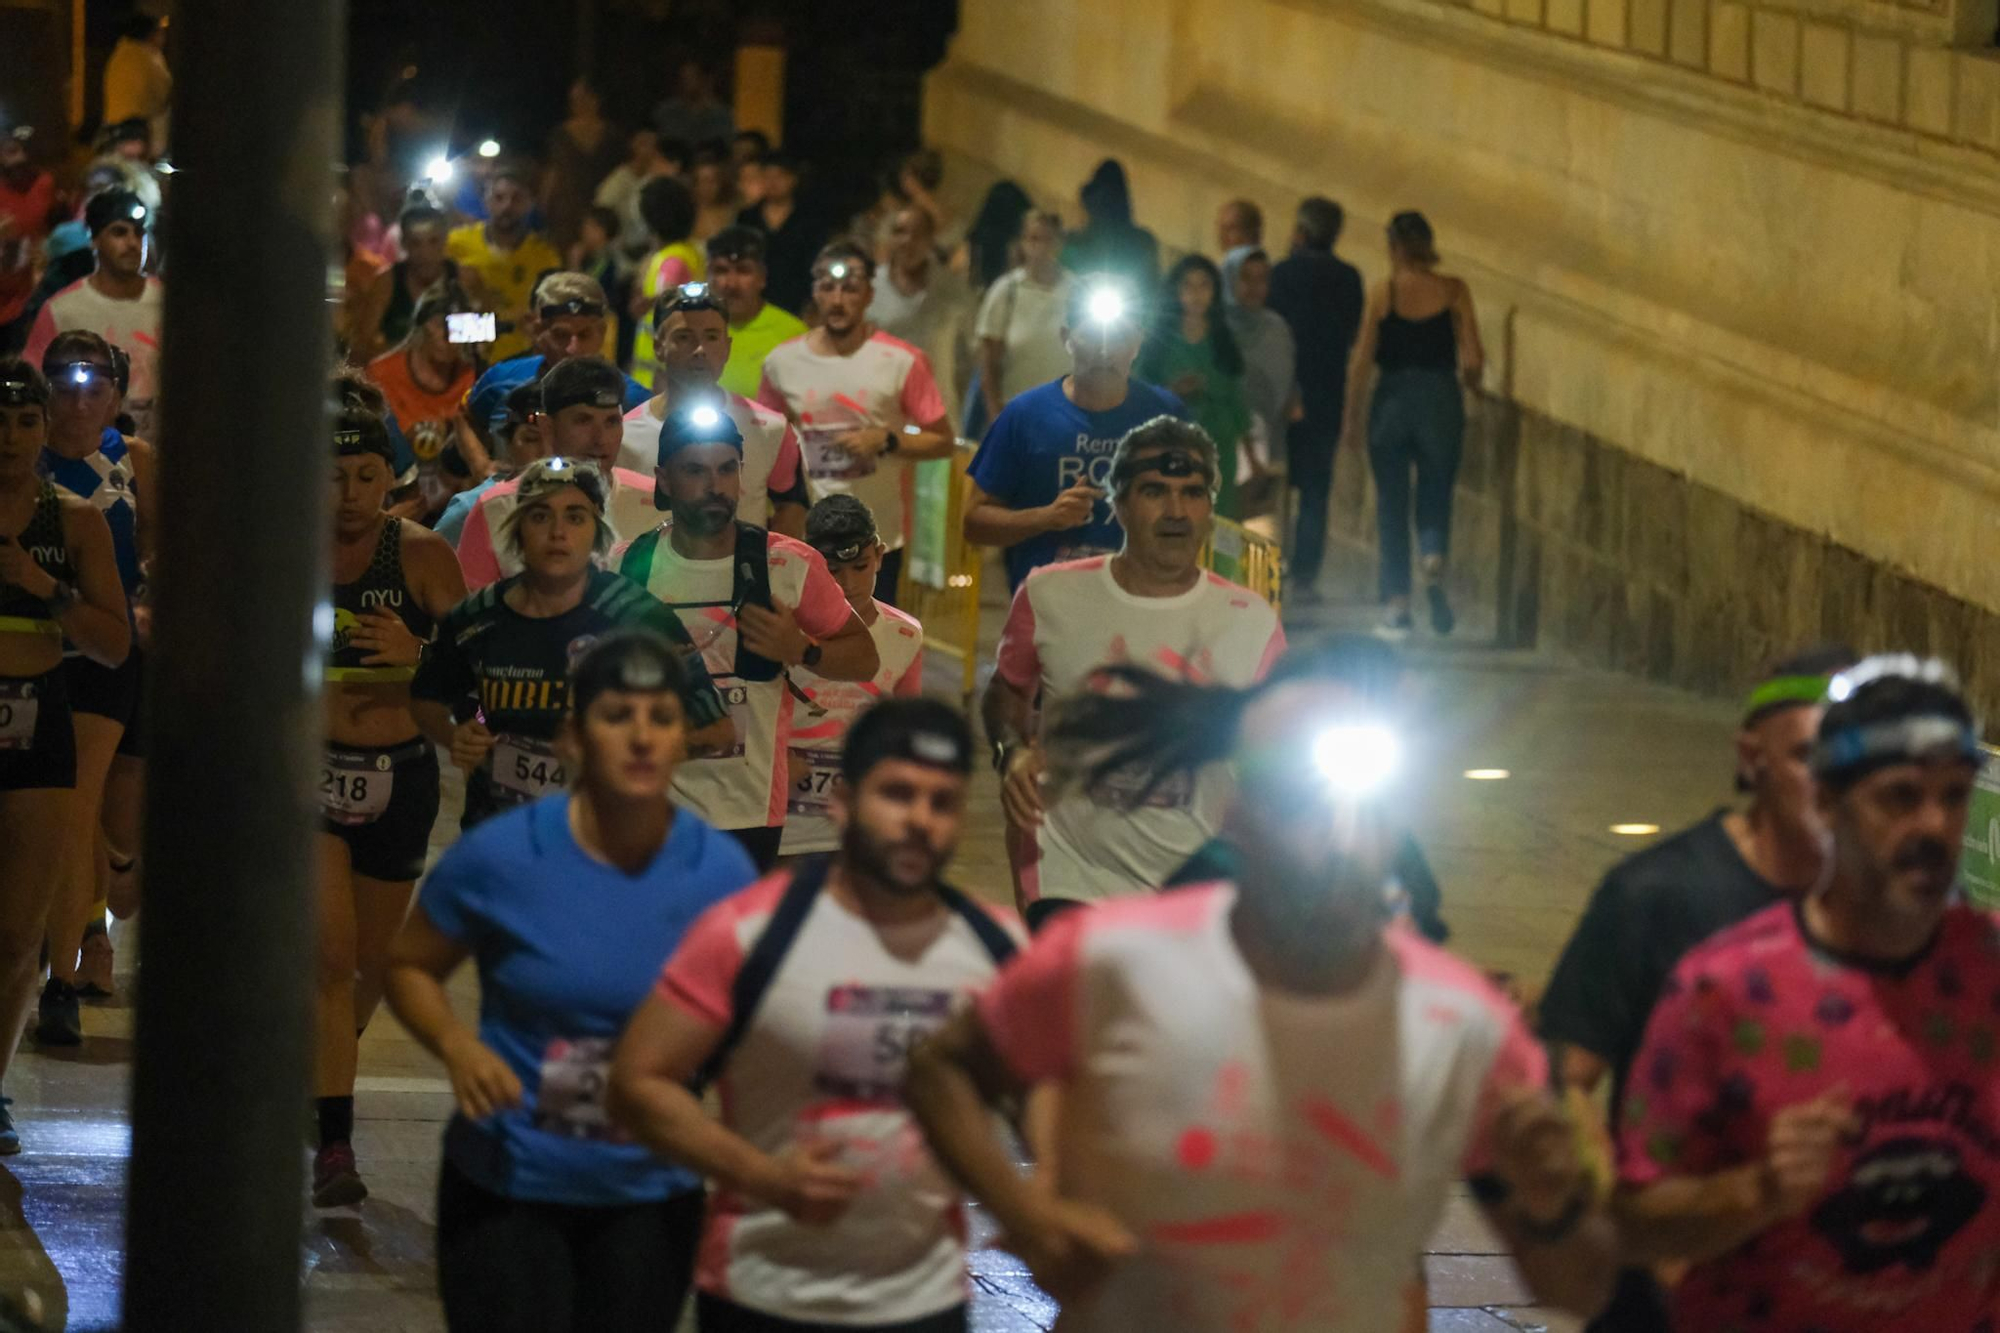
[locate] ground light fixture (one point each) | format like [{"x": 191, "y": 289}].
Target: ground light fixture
[
  {"x": 1487, "y": 774},
  {"x": 1635, "y": 830}
]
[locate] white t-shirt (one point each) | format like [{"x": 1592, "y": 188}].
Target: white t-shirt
[
  {"x": 1029, "y": 319},
  {"x": 824, "y": 1058},
  {"x": 483, "y": 559},
  {"x": 770, "y": 452},
  {"x": 1280, "y": 1157},
  {"x": 934, "y": 320},
  {"x": 134, "y": 326},
  {"x": 1071, "y": 619},
  {"x": 744, "y": 788},
  {"x": 887, "y": 383},
  {"x": 814, "y": 750}
]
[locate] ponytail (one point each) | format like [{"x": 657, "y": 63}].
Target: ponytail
[{"x": 1144, "y": 729}]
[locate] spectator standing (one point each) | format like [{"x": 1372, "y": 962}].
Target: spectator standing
[
  {"x": 1191, "y": 351},
  {"x": 791, "y": 237},
  {"x": 736, "y": 269},
  {"x": 1319, "y": 295},
  {"x": 668, "y": 206},
  {"x": 27, "y": 207},
  {"x": 137, "y": 83},
  {"x": 992, "y": 243},
  {"x": 1110, "y": 241},
  {"x": 1419, "y": 338},
  {"x": 619, "y": 191},
  {"x": 1238, "y": 223},
  {"x": 713, "y": 180},
  {"x": 582, "y": 151},
  {"x": 117, "y": 301},
  {"x": 694, "y": 114},
  {"x": 1020, "y": 320},
  {"x": 920, "y": 300},
  {"x": 596, "y": 254},
  {"x": 502, "y": 258},
  {"x": 382, "y": 317},
  {"x": 1270, "y": 358}
]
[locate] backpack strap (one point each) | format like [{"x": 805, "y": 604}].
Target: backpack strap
[
  {"x": 996, "y": 941},
  {"x": 638, "y": 562},
  {"x": 751, "y": 586},
  {"x": 761, "y": 966}
]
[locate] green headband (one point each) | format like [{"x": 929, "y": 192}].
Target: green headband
[{"x": 1780, "y": 690}]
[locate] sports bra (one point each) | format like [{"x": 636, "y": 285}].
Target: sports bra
[
  {"x": 49, "y": 548},
  {"x": 381, "y": 586}
]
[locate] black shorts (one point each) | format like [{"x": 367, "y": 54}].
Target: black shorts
[
  {"x": 114, "y": 692},
  {"x": 388, "y": 837},
  {"x": 49, "y": 758}
]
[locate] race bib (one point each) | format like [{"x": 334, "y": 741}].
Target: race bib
[
  {"x": 570, "y": 1102},
  {"x": 813, "y": 774},
  {"x": 827, "y": 461},
  {"x": 19, "y": 710},
  {"x": 525, "y": 769},
  {"x": 737, "y": 699},
  {"x": 354, "y": 788},
  {"x": 1119, "y": 791},
  {"x": 868, "y": 1035}
]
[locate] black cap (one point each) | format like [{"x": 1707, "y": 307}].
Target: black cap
[
  {"x": 636, "y": 660},
  {"x": 840, "y": 528},
  {"x": 923, "y": 731},
  {"x": 701, "y": 421},
  {"x": 590, "y": 381},
  {"x": 114, "y": 206}
]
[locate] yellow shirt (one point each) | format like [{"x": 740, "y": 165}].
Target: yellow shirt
[
  {"x": 509, "y": 277},
  {"x": 685, "y": 263},
  {"x": 750, "y": 343}
]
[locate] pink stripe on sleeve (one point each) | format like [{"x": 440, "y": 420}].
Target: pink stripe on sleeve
[
  {"x": 1018, "y": 662},
  {"x": 1030, "y": 1010}
]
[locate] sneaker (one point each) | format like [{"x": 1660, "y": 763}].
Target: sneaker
[
  {"x": 93, "y": 971},
  {"x": 59, "y": 1022},
  {"x": 10, "y": 1138},
  {"x": 336, "y": 1180},
  {"x": 1395, "y": 626},
  {"x": 1442, "y": 619}
]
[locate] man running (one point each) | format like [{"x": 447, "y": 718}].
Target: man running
[
  {"x": 804, "y": 994},
  {"x": 584, "y": 420},
  {"x": 736, "y": 269},
  {"x": 1266, "y": 1088},
  {"x": 1151, "y": 606},
  {"x": 1038, "y": 481},
  {"x": 503, "y": 258},
  {"x": 117, "y": 301},
  {"x": 842, "y": 530},
  {"x": 1811, "y": 1116},
  {"x": 692, "y": 342},
  {"x": 757, "y": 604},
  {"x": 864, "y": 403},
  {"x": 570, "y": 311},
  {"x": 425, "y": 378}
]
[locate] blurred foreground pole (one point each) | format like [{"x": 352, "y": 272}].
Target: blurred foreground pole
[{"x": 221, "y": 1076}]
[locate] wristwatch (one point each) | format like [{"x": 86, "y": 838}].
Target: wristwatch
[
  {"x": 810, "y": 658},
  {"x": 891, "y": 440},
  {"x": 1001, "y": 749}
]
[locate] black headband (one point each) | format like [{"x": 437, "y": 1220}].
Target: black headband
[
  {"x": 19, "y": 391},
  {"x": 686, "y": 299},
  {"x": 576, "y": 305},
  {"x": 1172, "y": 463},
  {"x": 366, "y": 436}
]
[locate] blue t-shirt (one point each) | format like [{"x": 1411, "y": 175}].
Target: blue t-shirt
[
  {"x": 487, "y": 398},
  {"x": 567, "y": 948},
  {"x": 451, "y": 523},
  {"x": 1040, "y": 444},
  {"x": 108, "y": 481}
]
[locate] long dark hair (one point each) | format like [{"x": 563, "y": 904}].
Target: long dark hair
[
  {"x": 1147, "y": 729},
  {"x": 991, "y": 236},
  {"x": 1106, "y": 196},
  {"x": 1167, "y": 315}
]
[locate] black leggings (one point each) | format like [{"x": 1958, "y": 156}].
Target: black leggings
[
  {"x": 511, "y": 1266},
  {"x": 720, "y": 1316}
]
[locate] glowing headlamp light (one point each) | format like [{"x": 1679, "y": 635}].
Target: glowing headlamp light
[
  {"x": 489, "y": 148},
  {"x": 1106, "y": 306},
  {"x": 1357, "y": 759},
  {"x": 439, "y": 169},
  {"x": 837, "y": 270},
  {"x": 704, "y": 417}
]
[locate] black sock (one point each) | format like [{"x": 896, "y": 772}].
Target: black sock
[{"x": 336, "y": 1120}]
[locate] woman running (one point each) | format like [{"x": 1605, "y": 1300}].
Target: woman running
[
  {"x": 546, "y": 1219},
  {"x": 58, "y": 579},
  {"x": 88, "y": 458},
  {"x": 494, "y": 689},
  {"x": 392, "y": 580}
]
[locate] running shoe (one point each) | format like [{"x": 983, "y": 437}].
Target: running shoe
[
  {"x": 336, "y": 1180},
  {"x": 93, "y": 970},
  {"x": 10, "y": 1138},
  {"x": 1442, "y": 619},
  {"x": 59, "y": 1022},
  {"x": 1395, "y": 626}
]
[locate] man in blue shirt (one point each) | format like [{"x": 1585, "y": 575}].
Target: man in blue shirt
[
  {"x": 570, "y": 311},
  {"x": 1039, "y": 479}
]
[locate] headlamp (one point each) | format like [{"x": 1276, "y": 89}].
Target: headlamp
[
  {"x": 21, "y": 392},
  {"x": 1105, "y": 306},
  {"x": 1906, "y": 666},
  {"x": 489, "y": 148},
  {"x": 837, "y": 270},
  {"x": 439, "y": 169},
  {"x": 576, "y": 305},
  {"x": 704, "y": 417},
  {"x": 692, "y": 291},
  {"x": 1357, "y": 759},
  {"x": 1170, "y": 463}
]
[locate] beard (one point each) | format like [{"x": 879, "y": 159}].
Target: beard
[
  {"x": 877, "y": 859},
  {"x": 705, "y": 519}
]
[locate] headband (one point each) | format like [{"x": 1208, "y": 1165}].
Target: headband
[
  {"x": 576, "y": 305},
  {"x": 19, "y": 391},
  {"x": 371, "y": 438},
  {"x": 1900, "y": 740},
  {"x": 1167, "y": 462},
  {"x": 1784, "y": 691}
]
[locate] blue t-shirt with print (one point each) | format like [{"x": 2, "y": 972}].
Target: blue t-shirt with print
[
  {"x": 487, "y": 398},
  {"x": 1038, "y": 447},
  {"x": 567, "y": 948}
]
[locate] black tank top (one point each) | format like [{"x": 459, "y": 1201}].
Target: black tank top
[
  {"x": 382, "y": 586},
  {"x": 48, "y": 548},
  {"x": 1416, "y": 344},
  {"x": 395, "y": 323}
]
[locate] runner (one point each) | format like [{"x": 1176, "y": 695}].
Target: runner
[
  {"x": 757, "y": 604},
  {"x": 117, "y": 300},
  {"x": 392, "y": 581},
  {"x": 842, "y": 530},
  {"x": 583, "y": 420},
  {"x": 425, "y": 377},
  {"x": 1812, "y": 1118},
  {"x": 493, "y": 689},
  {"x": 1151, "y": 606},
  {"x": 58, "y": 579},
  {"x": 88, "y": 458},
  {"x": 1272, "y": 1156},
  {"x": 693, "y": 344},
  {"x": 570, "y": 314},
  {"x": 737, "y": 273},
  {"x": 518, "y": 431},
  {"x": 864, "y": 403},
  {"x": 548, "y": 1219},
  {"x": 803, "y": 994}
]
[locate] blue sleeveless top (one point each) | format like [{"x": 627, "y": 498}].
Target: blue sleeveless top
[{"x": 107, "y": 480}]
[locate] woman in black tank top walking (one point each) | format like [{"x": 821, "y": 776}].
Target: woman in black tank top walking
[{"x": 1420, "y": 333}]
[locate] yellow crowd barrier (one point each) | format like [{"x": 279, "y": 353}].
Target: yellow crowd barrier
[
  {"x": 1246, "y": 557},
  {"x": 940, "y": 579}
]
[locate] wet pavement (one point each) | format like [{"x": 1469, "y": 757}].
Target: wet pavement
[{"x": 1517, "y": 857}]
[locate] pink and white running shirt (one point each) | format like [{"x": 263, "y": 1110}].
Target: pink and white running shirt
[
  {"x": 770, "y": 451},
  {"x": 744, "y": 787},
  {"x": 1068, "y": 621},
  {"x": 1279, "y": 1156},
  {"x": 483, "y": 559},
  {"x": 886, "y": 382},
  {"x": 814, "y": 750},
  {"x": 824, "y": 1059},
  {"x": 132, "y": 326}
]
